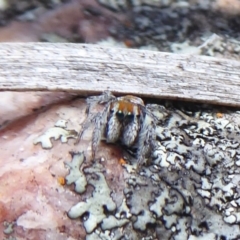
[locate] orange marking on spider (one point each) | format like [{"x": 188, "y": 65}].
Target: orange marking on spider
[
  {"x": 125, "y": 107},
  {"x": 219, "y": 115}
]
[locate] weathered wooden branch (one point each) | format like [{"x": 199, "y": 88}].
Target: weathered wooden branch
[{"x": 90, "y": 69}]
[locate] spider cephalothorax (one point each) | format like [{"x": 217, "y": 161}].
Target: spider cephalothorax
[{"x": 125, "y": 120}]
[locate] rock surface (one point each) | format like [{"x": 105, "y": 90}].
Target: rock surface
[{"x": 189, "y": 191}]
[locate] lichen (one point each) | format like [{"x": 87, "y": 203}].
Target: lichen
[
  {"x": 8, "y": 230},
  {"x": 10, "y": 238},
  {"x": 189, "y": 191},
  {"x": 8, "y": 227},
  {"x": 76, "y": 174},
  {"x": 94, "y": 207},
  {"x": 59, "y": 131}
]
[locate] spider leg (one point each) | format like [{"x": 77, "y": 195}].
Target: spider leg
[
  {"x": 104, "y": 98},
  {"x": 92, "y": 101},
  {"x": 100, "y": 122},
  {"x": 131, "y": 128},
  {"x": 146, "y": 142},
  {"x": 154, "y": 114},
  {"x": 85, "y": 125},
  {"x": 96, "y": 137}
]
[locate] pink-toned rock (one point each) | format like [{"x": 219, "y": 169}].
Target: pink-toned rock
[
  {"x": 14, "y": 105},
  {"x": 32, "y": 193}
]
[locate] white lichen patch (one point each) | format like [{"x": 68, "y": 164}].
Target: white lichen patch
[
  {"x": 104, "y": 235},
  {"x": 185, "y": 48},
  {"x": 130, "y": 168},
  {"x": 93, "y": 207},
  {"x": 8, "y": 227},
  {"x": 190, "y": 190},
  {"x": 10, "y": 238},
  {"x": 204, "y": 193},
  {"x": 59, "y": 131},
  {"x": 206, "y": 185},
  {"x": 203, "y": 237},
  {"x": 123, "y": 211},
  {"x": 61, "y": 123},
  {"x": 139, "y": 202},
  {"x": 112, "y": 222},
  {"x": 182, "y": 229},
  {"x": 170, "y": 220},
  {"x": 76, "y": 174},
  {"x": 158, "y": 206}
]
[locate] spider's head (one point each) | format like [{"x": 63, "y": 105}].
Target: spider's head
[{"x": 127, "y": 108}]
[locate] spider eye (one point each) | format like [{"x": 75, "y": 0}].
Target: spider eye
[
  {"x": 129, "y": 117},
  {"x": 120, "y": 115}
]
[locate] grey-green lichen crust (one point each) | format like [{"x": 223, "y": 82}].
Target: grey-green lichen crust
[
  {"x": 59, "y": 131},
  {"x": 8, "y": 230},
  {"x": 189, "y": 191}
]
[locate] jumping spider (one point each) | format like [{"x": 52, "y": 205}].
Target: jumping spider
[{"x": 125, "y": 120}]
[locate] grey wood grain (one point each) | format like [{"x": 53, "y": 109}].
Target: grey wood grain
[{"x": 91, "y": 69}]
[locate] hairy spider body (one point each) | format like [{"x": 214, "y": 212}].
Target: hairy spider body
[{"x": 125, "y": 120}]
